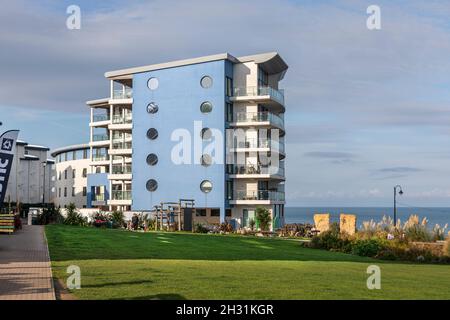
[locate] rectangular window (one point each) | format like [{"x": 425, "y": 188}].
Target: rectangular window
[
  {"x": 229, "y": 108},
  {"x": 227, "y": 212},
  {"x": 59, "y": 192},
  {"x": 65, "y": 174},
  {"x": 59, "y": 175},
  {"x": 84, "y": 173},
  {"x": 263, "y": 78},
  {"x": 84, "y": 191},
  {"x": 215, "y": 212},
  {"x": 228, "y": 87},
  {"x": 229, "y": 189},
  {"x": 73, "y": 173},
  {"x": 200, "y": 212},
  {"x": 65, "y": 156},
  {"x": 73, "y": 191},
  {"x": 85, "y": 154},
  {"x": 65, "y": 191},
  {"x": 74, "y": 155}
]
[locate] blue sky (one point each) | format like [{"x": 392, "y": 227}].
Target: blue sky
[{"x": 366, "y": 110}]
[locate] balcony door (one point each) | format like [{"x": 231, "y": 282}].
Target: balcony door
[{"x": 247, "y": 215}]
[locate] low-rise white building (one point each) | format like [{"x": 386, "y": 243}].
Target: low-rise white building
[
  {"x": 32, "y": 176},
  {"x": 71, "y": 170}
]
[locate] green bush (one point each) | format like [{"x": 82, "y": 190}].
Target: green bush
[
  {"x": 117, "y": 219},
  {"x": 200, "y": 228},
  {"x": 50, "y": 215},
  {"x": 263, "y": 217},
  {"x": 73, "y": 217},
  {"x": 367, "y": 247}
]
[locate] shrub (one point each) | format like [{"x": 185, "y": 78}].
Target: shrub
[
  {"x": 117, "y": 219},
  {"x": 225, "y": 227},
  {"x": 367, "y": 247},
  {"x": 200, "y": 228},
  {"x": 417, "y": 232},
  {"x": 73, "y": 217},
  {"x": 50, "y": 215},
  {"x": 438, "y": 232},
  {"x": 263, "y": 217},
  {"x": 252, "y": 224}
]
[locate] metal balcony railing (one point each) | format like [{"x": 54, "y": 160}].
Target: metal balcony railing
[
  {"x": 251, "y": 169},
  {"x": 121, "y": 195},
  {"x": 120, "y": 169},
  {"x": 259, "y": 195},
  {"x": 123, "y": 94},
  {"x": 120, "y": 119},
  {"x": 275, "y": 94},
  {"x": 259, "y": 117},
  {"x": 100, "y": 137},
  {"x": 100, "y": 117}
]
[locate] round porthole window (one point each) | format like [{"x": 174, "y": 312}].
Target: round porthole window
[
  {"x": 206, "y": 107},
  {"x": 152, "y": 133},
  {"x": 206, "y": 160},
  {"x": 153, "y": 83},
  {"x": 206, "y": 133},
  {"x": 152, "y": 107},
  {"x": 206, "y": 186},
  {"x": 151, "y": 185},
  {"x": 206, "y": 82},
  {"x": 152, "y": 159}
]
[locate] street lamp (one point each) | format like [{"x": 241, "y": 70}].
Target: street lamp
[
  {"x": 400, "y": 192},
  {"x": 44, "y": 165}
]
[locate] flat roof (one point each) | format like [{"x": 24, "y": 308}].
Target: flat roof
[
  {"x": 74, "y": 147},
  {"x": 36, "y": 147},
  {"x": 271, "y": 62}
]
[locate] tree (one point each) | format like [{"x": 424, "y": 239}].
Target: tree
[{"x": 264, "y": 218}]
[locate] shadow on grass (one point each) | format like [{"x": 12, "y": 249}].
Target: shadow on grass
[
  {"x": 162, "y": 296},
  {"x": 78, "y": 243},
  {"x": 112, "y": 284}
]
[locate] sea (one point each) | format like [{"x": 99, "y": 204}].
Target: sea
[{"x": 434, "y": 215}]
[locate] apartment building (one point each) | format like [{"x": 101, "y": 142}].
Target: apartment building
[
  {"x": 32, "y": 176},
  {"x": 163, "y": 134},
  {"x": 71, "y": 170}
]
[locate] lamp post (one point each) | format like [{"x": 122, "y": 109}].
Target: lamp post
[
  {"x": 44, "y": 165},
  {"x": 400, "y": 192}
]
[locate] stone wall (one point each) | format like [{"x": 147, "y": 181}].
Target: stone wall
[
  {"x": 322, "y": 221},
  {"x": 347, "y": 223}
]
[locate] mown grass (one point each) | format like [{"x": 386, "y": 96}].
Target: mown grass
[{"x": 124, "y": 265}]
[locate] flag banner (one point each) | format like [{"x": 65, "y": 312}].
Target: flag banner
[{"x": 7, "y": 150}]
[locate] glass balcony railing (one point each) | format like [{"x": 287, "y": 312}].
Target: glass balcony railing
[
  {"x": 121, "y": 195},
  {"x": 259, "y": 143},
  {"x": 259, "y": 195},
  {"x": 250, "y": 169},
  {"x": 123, "y": 94},
  {"x": 99, "y": 197},
  {"x": 120, "y": 169},
  {"x": 121, "y": 145},
  {"x": 100, "y": 137},
  {"x": 120, "y": 119},
  {"x": 277, "y": 95},
  {"x": 100, "y": 158},
  {"x": 100, "y": 117},
  {"x": 121, "y": 137},
  {"x": 259, "y": 117}
]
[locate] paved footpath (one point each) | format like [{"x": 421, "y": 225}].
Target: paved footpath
[{"x": 25, "y": 272}]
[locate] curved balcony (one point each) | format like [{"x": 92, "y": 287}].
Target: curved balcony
[
  {"x": 263, "y": 94},
  {"x": 253, "y": 119}
]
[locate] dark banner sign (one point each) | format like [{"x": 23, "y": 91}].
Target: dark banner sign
[{"x": 7, "y": 150}]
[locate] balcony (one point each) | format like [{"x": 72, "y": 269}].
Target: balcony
[
  {"x": 121, "y": 148},
  {"x": 255, "y": 145},
  {"x": 255, "y": 172},
  {"x": 259, "y": 94},
  {"x": 258, "y": 118},
  {"x": 120, "y": 172},
  {"x": 257, "y": 197},
  {"x": 100, "y": 137},
  {"x": 120, "y": 198},
  {"x": 98, "y": 199},
  {"x": 100, "y": 117},
  {"x": 100, "y": 158},
  {"x": 121, "y": 94},
  {"x": 120, "y": 119}
]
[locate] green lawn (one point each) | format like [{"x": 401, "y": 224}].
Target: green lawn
[{"x": 124, "y": 265}]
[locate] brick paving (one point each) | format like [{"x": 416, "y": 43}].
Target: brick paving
[{"x": 25, "y": 271}]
